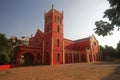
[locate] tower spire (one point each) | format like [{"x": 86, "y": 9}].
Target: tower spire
[{"x": 52, "y": 6}]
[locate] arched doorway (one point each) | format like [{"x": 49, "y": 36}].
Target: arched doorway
[
  {"x": 58, "y": 57},
  {"x": 39, "y": 57},
  {"x": 27, "y": 59},
  {"x": 66, "y": 58}
]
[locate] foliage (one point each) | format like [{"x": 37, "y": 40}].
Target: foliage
[
  {"x": 108, "y": 52},
  {"x": 105, "y": 28},
  {"x": 8, "y": 48},
  {"x": 5, "y": 49},
  {"x": 14, "y": 54}
]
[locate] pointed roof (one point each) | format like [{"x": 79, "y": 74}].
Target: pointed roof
[
  {"x": 39, "y": 32},
  {"x": 52, "y": 10},
  {"x": 52, "y": 6}
]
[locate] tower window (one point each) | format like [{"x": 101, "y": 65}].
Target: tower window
[
  {"x": 58, "y": 42},
  {"x": 48, "y": 20},
  {"x": 58, "y": 57},
  {"x": 58, "y": 20},
  {"x": 58, "y": 28},
  {"x": 55, "y": 18}
]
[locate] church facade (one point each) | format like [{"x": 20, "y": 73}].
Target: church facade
[{"x": 50, "y": 47}]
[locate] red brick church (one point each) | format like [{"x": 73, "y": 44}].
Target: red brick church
[{"x": 50, "y": 47}]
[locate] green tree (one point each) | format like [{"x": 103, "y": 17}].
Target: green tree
[
  {"x": 5, "y": 49},
  {"x": 105, "y": 28},
  {"x": 108, "y": 52}
]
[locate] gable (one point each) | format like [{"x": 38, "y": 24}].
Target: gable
[
  {"x": 37, "y": 39},
  {"x": 39, "y": 33}
]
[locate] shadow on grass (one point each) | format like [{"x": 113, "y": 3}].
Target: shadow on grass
[
  {"x": 106, "y": 63},
  {"x": 115, "y": 75}
]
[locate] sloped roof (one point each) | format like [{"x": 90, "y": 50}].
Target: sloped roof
[
  {"x": 39, "y": 32},
  {"x": 83, "y": 39}
]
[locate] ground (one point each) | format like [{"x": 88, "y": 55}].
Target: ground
[{"x": 77, "y": 71}]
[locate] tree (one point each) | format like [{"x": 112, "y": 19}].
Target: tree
[
  {"x": 108, "y": 52},
  {"x": 5, "y": 49},
  {"x": 105, "y": 28}
]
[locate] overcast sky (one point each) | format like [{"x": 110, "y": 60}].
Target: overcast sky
[{"x": 24, "y": 17}]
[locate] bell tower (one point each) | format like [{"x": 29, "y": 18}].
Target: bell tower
[{"x": 53, "y": 30}]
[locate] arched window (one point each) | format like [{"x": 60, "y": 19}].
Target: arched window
[
  {"x": 38, "y": 56},
  {"x": 38, "y": 40},
  {"x": 94, "y": 43},
  {"x": 58, "y": 20},
  {"x": 58, "y": 28},
  {"x": 58, "y": 57},
  {"x": 48, "y": 43},
  {"x": 58, "y": 42},
  {"x": 47, "y": 29}
]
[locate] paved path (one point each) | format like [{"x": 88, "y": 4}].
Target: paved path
[{"x": 78, "y": 71}]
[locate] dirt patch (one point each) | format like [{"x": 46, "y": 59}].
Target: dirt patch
[{"x": 78, "y": 71}]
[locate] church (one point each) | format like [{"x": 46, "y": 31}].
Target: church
[{"x": 51, "y": 48}]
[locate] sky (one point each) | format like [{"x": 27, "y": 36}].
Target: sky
[{"x": 23, "y": 18}]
